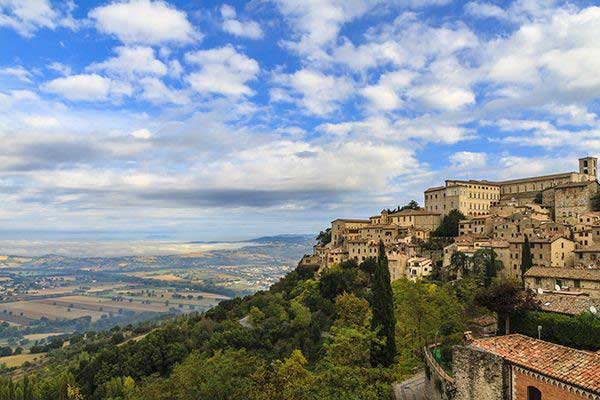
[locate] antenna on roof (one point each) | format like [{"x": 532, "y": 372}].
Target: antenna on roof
[
  {"x": 557, "y": 288},
  {"x": 540, "y": 290}
]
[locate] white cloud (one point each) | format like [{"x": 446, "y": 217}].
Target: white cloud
[
  {"x": 142, "y": 133},
  {"x": 466, "y": 160},
  {"x": 223, "y": 71},
  {"x": 426, "y": 128},
  {"x": 144, "y": 22},
  {"x": 247, "y": 29},
  {"x": 318, "y": 22},
  {"x": 552, "y": 58},
  {"x": 27, "y": 16},
  {"x": 61, "y": 68},
  {"x": 18, "y": 72},
  {"x": 318, "y": 93},
  {"x": 485, "y": 10},
  {"x": 91, "y": 87},
  {"x": 130, "y": 61},
  {"x": 443, "y": 97},
  {"x": 155, "y": 91},
  {"x": 386, "y": 94}
]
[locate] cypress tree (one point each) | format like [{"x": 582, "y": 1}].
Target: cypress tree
[
  {"x": 526, "y": 261},
  {"x": 384, "y": 320}
]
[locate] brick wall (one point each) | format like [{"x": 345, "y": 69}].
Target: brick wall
[{"x": 549, "y": 391}]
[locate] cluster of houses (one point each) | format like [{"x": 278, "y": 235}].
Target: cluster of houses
[
  {"x": 554, "y": 212},
  {"x": 556, "y": 215}
]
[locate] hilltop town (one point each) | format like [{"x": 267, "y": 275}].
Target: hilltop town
[
  {"x": 555, "y": 213},
  {"x": 542, "y": 232}
]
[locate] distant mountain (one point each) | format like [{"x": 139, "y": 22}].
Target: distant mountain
[
  {"x": 289, "y": 238},
  {"x": 284, "y": 238},
  {"x": 267, "y": 250}
]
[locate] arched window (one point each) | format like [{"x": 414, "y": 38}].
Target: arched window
[{"x": 533, "y": 393}]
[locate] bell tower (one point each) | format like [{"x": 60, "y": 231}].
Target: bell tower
[{"x": 589, "y": 166}]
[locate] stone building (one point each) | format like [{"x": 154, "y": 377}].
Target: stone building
[
  {"x": 572, "y": 200},
  {"x": 552, "y": 252},
  {"x": 472, "y": 198},
  {"x": 518, "y": 367},
  {"x": 576, "y": 280},
  {"x": 477, "y": 197},
  {"x": 418, "y": 267},
  {"x": 587, "y": 256}
]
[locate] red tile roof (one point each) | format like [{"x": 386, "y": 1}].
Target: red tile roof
[{"x": 569, "y": 365}]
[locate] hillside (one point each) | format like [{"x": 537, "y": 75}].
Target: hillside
[{"x": 301, "y": 339}]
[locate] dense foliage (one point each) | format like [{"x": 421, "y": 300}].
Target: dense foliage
[
  {"x": 449, "y": 225},
  {"x": 526, "y": 258},
  {"x": 384, "y": 321},
  {"x": 578, "y": 331},
  {"x": 305, "y": 338}
]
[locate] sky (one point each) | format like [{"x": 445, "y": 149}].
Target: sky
[{"x": 204, "y": 120}]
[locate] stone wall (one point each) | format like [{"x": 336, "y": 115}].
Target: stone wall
[
  {"x": 479, "y": 375},
  {"x": 438, "y": 384},
  {"x": 570, "y": 202}
]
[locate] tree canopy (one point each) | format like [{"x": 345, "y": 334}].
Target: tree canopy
[{"x": 449, "y": 225}]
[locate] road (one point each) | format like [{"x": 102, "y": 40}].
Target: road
[{"x": 411, "y": 389}]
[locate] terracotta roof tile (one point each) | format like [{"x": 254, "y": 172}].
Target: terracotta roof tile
[
  {"x": 566, "y": 303},
  {"x": 566, "y": 273},
  {"x": 569, "y": 365}
]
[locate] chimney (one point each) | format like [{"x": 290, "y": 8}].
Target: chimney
[{"x": 467, "y": 338}]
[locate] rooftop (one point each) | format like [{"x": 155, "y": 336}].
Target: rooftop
[
  {"x": 569, "y": 365},
  {"x": 565, "y": 273},
  {"x": 572, "y": 184},
  {"x": 566, "y": 303},
  {"x": 595, "y": 248}
]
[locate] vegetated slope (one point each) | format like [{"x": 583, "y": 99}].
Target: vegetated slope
[{"x": 302, "y": 339}]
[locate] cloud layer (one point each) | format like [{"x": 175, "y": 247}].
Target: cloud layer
[{"x": 179, "y": 117}]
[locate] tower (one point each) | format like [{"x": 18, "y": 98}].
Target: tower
[{"x": 589, "y": 166}]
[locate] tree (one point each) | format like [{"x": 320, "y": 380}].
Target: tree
[
  {"x": 324, "y": 237},
  {"x": 351, "y": 334},
  {"x": 506, "y": 297},
  {"x": 595, "y": 202},
  {"x": 384, "y": 320},
  {"x": 526, "y": 259},
  {"x": 486, "y": 265},
  {"x": 449, "y": 225},
  {"x": 459, "y": 263},
  {"x": 427, "y": 313},
  {"x": 411, "y": 205}
]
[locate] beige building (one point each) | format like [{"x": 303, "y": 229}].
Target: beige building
[
  {"x": 587, "y": 257},
  {"x": 472, "y": 198},
  {"x": 555, "y": 252},
  {"x": 418, "y": 267},
  {"x": 477, "y": 197},
  {"x": 397, "y": 261},
  {"x": 567, "y": 279},
  {"x": 572, "y": 200}
]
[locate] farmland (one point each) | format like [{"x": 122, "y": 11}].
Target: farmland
[{"x": 46, "y": 300}]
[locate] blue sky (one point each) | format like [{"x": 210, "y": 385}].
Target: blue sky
[{"x": 208, "y": 120}]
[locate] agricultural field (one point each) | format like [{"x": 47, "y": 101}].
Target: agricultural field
[
  {"x": 37, "y": 309},
  {"x": 18, "y": 360}
]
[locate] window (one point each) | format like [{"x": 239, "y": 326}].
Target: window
[
  {"x": 577, "y": 283},
  {"x": 538, "y": 282},
  {"x": 533, "y": 393}
]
